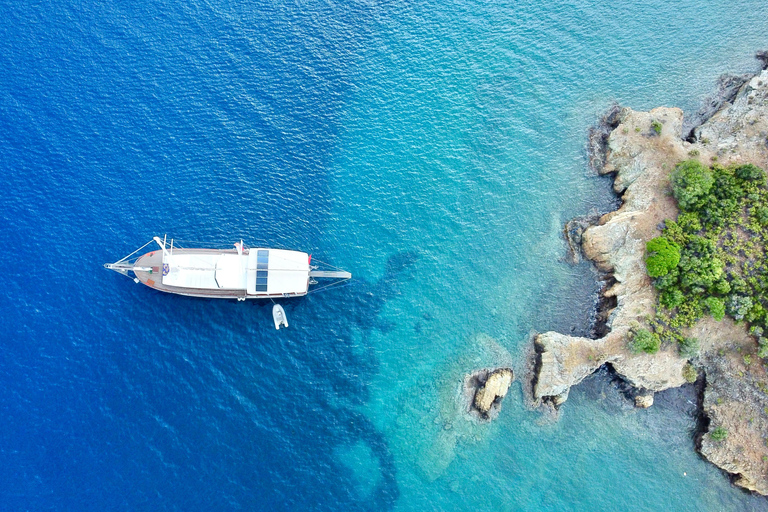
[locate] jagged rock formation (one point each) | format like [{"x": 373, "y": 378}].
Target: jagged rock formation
[
  {"x": 728, "y": 87},
  {"x": 643, "y": 401},
  {"x": 573, "y": 233},
  {"x": 495, "y": 387},
  {"x": 736, "y": 393},
  {"x": 740, "y": 132},
  {"x": 617, "y": 246},
  {"x": 735, "y": 399}
]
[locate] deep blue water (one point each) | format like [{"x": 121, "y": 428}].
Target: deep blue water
[{"x": 434, "y": 149}]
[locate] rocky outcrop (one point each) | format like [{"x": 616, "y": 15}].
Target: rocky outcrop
[
  {"x": 616, "y": 245},
  {"x": 735, "y": 397},
  {"x": 643, "y": 401},
  {"x": 740, "y": 132},
  {"x": 597, "y": 139},
  {"x": 728, "y": 87},
  {"x": 489, "y": 388},
  {"x": 735, "y": 402},
  {"x": 573, "y": 232}
]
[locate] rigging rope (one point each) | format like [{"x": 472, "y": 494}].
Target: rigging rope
[
  {"x": 134, "y": 252},
  {"x": 340, "y": 284}
]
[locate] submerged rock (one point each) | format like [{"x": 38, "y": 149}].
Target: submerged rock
[
  {"x": 436, "y": 420},
  {"x": 573, "y": 233}
]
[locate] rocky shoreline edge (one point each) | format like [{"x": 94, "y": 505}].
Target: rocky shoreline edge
[{"x": 731, "y": 127}]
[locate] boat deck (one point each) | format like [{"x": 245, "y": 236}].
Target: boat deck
[{"x": 154, "y": 277}]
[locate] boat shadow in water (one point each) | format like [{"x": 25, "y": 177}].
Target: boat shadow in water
[
  {"x": 369, "y": 298},
  {"x": 343, "y": 363}
]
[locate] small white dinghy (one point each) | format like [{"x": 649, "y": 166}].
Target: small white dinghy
[{"x": 278, "y": 314}]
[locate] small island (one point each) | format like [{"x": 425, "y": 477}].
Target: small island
[{"x": 685, "y": 272}]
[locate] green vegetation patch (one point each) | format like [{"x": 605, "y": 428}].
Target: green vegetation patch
[
  {"x": 711, "y": 260},
  {"x": 689, "y": 373},
  {"x": 691, "y": 184},
  {"x": 662, "y": 256},
  {"x": 688, "y": 347},
  {"x": 646, "y": 341},
  {"x": 718, "y": 434}
]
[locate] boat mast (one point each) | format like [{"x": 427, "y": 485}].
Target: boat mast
[{"x": 161, "y": 243}]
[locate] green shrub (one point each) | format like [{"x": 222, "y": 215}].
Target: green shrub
[
  {"x": 718, "y": 434},
  {"x": 674, "y": 232},
  {"x": 721, "y": 287},
  {"x": 662, "y": 256},
  {"x": 645, "y": 341},
  {"x": 688, "y": 347},
  {"x": 726, "y": 186},
  {"x": 689, "y": 373},
  {"x": 738, "y": 285},
  {"x": 700, "y": 247},
  {"x": 715, "y": 213},
  {"x": 738, "y": 306},
  {"x": 760, "y": 214},
  {"x": 699, "y": 268},
  {"x": 656, "y": 127},
  {"x": 716, "y": 307},
  {"x": 762, "y": 348},
  {"x": 749, "y": 172},
  {"x": 671, "y": 298},
  {"x": 701, "y": 273},
  {"x": 689, "y": 222},
  {"x": 689, "y": 312},
  {"x": 756, "y": 313},
  {"x": 691, "y": 183},
  {"x": 669, "y": 281}
]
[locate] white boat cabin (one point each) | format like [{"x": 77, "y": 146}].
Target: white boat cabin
[{"x": 272, "y": 272}]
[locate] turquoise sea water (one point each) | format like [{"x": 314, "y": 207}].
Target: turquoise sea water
[
  {"x": 434, "y": 149},
  {"x": 470, "y": 150}
]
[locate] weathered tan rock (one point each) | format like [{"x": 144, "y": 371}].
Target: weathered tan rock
[
  {"x": 735, "y": 399},
  {"x": 736, "y": 394},
  {"x": 739, "y": 132},
  {"x": 496, "y": 386},
  {"x": 643, "y": 401},
  {"x": 617, "y": 245},
  {"x": 565, "y": 361}
]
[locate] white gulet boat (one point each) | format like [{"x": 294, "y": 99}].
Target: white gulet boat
[{"x": 238, "y": 273}]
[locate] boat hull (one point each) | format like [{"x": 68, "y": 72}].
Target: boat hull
[{"x": 153, "y": 277}]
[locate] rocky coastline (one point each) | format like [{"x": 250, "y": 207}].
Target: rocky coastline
[{"x": 731, "y": 127}]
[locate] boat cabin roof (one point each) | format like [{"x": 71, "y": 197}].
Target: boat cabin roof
[{"x": 257, "y": 271}]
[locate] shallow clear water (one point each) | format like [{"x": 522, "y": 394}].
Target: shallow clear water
[{"x": 433, "y": 149}]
